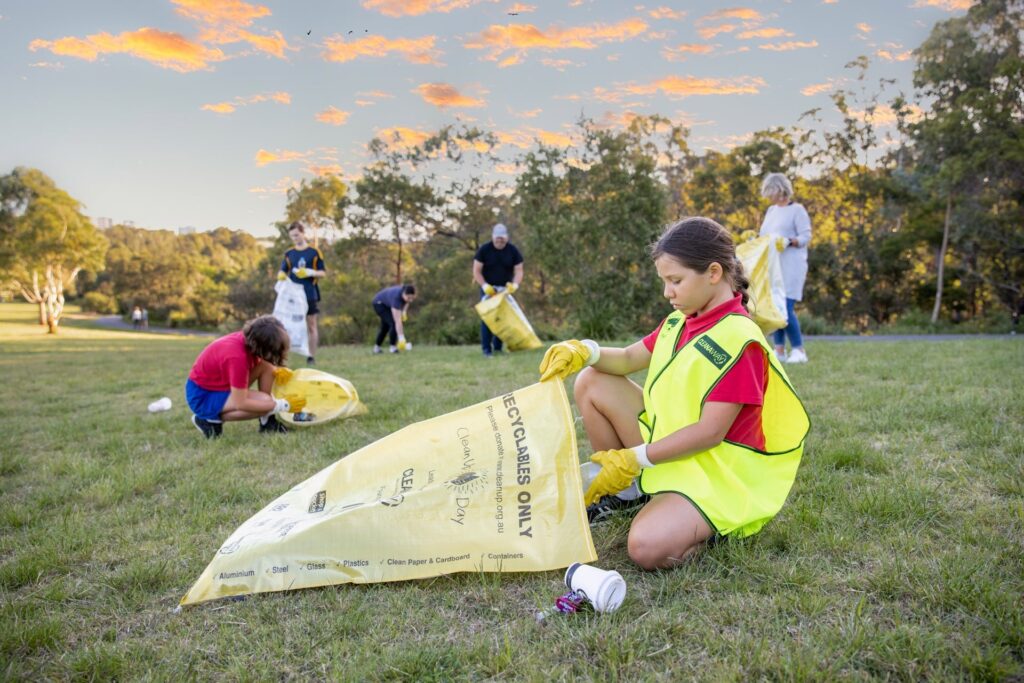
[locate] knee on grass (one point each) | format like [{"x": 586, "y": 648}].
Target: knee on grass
[{"x": 650, "y": 554}]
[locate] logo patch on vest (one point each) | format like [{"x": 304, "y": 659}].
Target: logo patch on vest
[{"x": 712, "y": 351}]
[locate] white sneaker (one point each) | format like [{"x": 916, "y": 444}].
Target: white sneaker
[{"x": 797, "y": 356}]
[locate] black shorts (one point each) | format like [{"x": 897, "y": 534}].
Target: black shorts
[{"x": 312, "y": 307}]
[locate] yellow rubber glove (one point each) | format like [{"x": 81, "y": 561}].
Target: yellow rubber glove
[
  {"x": 489, "y": 290},
  {"x": 282, "y": 375},
  {"x": 618, "y": 470},
  {"x": 302, "y": 273},
  {"x": 511, "y": 287},
  {"x": 402, "y": 344},
  {"x": 565, "y": 358},
  {"x": 405, "y": 316},
  {"x": 780, "y": 243},
  {"x": 281, "y": 275},
  {"x": 295, "y": 402}
]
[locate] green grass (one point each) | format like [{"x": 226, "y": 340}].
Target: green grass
[{"x": 898, "y": 555}]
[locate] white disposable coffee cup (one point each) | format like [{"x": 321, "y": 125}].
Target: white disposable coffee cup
[
  {"x": 160, "y": 406},
  {"x": 603, "y": 588}
]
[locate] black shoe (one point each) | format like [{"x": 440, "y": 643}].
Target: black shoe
[
  {"x": 211, "y": 430},
  {"x": 310, "y": 361},
  {"x": 272, "y": 426},
  {"x": 609, "y": 505}
]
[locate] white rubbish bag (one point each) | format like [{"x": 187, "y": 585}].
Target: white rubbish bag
[{"x": 290, "y": 308}]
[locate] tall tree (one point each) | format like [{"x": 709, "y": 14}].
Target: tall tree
[
  {"x": 970, "y": 143},
  {"x": 319, "y": 203},
  {"x": 389, "y": 200},
  {"x": 46, "y": 241}
]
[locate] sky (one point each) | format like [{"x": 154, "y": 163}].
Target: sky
[{"x": 202, "y": 113}]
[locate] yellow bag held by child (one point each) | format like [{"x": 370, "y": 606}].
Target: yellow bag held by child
[
  {"x": 494, "y": 487},
  {"x": 506, "y": 320},
  {"x": 767, "y": 290},
  {"x": 327, "y": 397}
]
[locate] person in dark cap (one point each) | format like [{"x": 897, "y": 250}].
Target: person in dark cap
[{"x": 497, "y": 266}]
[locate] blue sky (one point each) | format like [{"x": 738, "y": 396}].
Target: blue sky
[{"x": 203, "y": 112}]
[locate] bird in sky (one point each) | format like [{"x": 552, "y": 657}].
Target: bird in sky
[{"x": 309, "y": 31}]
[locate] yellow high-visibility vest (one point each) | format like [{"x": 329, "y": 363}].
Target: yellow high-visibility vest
[{"x": 737, "y": 488}]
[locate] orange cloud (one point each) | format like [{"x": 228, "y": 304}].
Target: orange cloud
[
  {"x": 325, "y": 169},
  {"x": 367, "y": 99},
  {"x": 167, "y": 50},
  {"x": 863, "y": 27},
  {"x": 559, "y": 64},
  {"x": 712, "y": 31},
  {"x": 520, "y": 38},
  {"x": 280, "y": 187},
  {"x": 263, "y": 157},
  {"x": 679, "y": 52},
  {"x": 415, "y": 50},
  {"x": 220, "y": 12},
  {"x": 791, "y": 45},
  {"x": 741, "y": 13},
  {"x": 402, "y": 137},
  {"x": 225, "y": 21},
  {"x": 525, "y": 138},
  {"x": 894, "y": 56},
  {"x": 883, "y": 115},
  {"x": 666, "y": 13},
  {"x": 764, "y": 33},
  {"x": 528, "y": 114},
  {"x": 332, "y": 116},
  {"x": 679, "y": 86},
  {"x": 228, "y": 107},
  {"x": 816, "y": 88},
  {"x": 413, "y": 8},
  {"x": 519, "y": 8},
  {"x": 445, "y": 95},
  {"x": 948, "y": 5}
]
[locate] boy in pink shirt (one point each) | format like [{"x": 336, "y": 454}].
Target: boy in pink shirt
[{"x": 217, "y": 389}]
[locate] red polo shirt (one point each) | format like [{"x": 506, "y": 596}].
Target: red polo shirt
[{"x": 744, "y": 383}]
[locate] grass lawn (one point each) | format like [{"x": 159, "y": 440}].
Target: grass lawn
[{"x": 900, "y": 553}]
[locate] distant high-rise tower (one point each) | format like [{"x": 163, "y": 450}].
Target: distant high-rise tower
[
  {"x": 186, "y": 230},
  {"x": 103, "y": 222}
]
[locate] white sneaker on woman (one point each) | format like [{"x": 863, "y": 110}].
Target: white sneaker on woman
[{"x": 797, "y": 356}]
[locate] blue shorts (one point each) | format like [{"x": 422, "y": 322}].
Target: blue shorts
[{"x": 204, "y": 403}]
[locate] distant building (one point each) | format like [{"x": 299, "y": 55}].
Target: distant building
[
  {"x": 187, "y": 230},
  {"x": 128, "y": 224},
  {"x": 103, "y": 222}
]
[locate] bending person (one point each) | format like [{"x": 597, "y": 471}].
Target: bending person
[
  {"x": 715, "y": 436},
  {"x": 391, "y": 305}
]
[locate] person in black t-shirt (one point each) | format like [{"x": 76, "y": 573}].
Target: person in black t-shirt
[
  {"x": 305, "y": 265},
  {"x": 497, "y": 266}
]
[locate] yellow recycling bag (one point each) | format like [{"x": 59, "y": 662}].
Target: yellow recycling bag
[
  {"x": 506, "y": 320},
  {"x": 327, "y": 397},
  {"x": 767, "y": 290},
  {"x": 494, "y": 487}
]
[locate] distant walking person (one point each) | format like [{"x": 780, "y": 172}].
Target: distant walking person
[
  {"x": 305, "y": 265},
  {"x": 391, "y": 305},
  {"x": 145, "y": 318},
  {"x": 136, "y": 318},
  {"x": 497, "y": 266},
  {"x": 788, "y": 220}
]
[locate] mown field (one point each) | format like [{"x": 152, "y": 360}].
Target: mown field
[{"x": 900, "y": 554}]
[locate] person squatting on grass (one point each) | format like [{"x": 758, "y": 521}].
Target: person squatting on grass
[
  {"x": 304, "y": 265},
  {"x": 715, "y": 435},
  {"x": 391, "y": 305},
  {"x": 217, "y": 389}
]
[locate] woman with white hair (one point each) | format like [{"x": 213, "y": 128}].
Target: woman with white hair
[{"x": 789, "y": 221}]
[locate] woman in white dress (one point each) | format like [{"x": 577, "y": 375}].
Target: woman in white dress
[{"x": 788, "y": 220}]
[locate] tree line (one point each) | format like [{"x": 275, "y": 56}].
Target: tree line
[{"x": 917, "y": 204}]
